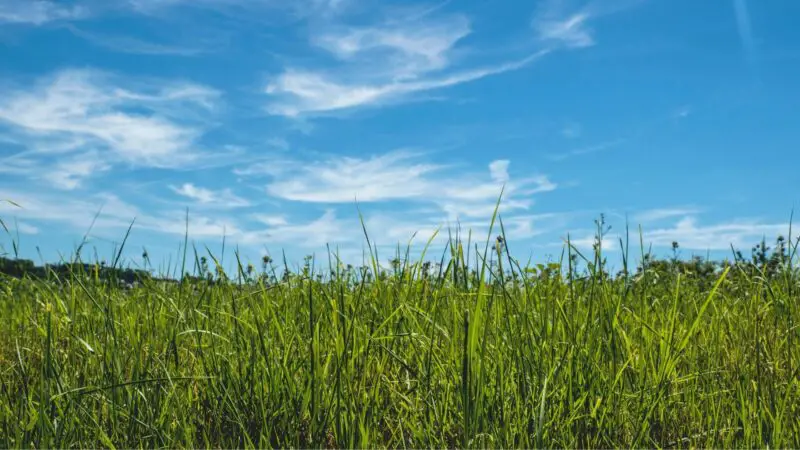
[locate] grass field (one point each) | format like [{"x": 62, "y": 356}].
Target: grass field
[{"x": 473, "y": 349}]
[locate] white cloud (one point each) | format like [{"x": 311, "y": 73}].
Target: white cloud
[
  {"x": 77, "y": 213},
  {"x": 224, "y": 198},
  {"x": 25, "y": 228},
  {"x": 391, "y": 176},
  {"x": 388, "y": 62},
  {"x": 115, "y": 215},
  {"x": 386, "y": 228},
  {"x": 689, "y": 234},
  {"x": 272, "y": 221},
  {"x": 610, "y": 243},
  {"x": 68, "y": 174},
  {"x": 498, "y": 170},
  {"x": 569, "y": 31},
  {"x": 741, "y": 234},
  {"x": 38, "y": 12},
  {"x": 82, "y": 113},
  {"x": 408, "y": 52},
  {"x": 244, "y": 10},
  {"x": 314, "y": 234},
  {"x": 381, "y": 63},
  {"x": 312, "y": 92},
  {"x": 401, "y": 175},
  {"x": 554, "y": 24},
  {"x": 652, "y": 215}
]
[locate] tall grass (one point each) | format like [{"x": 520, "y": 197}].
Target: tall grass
[{"x": 477, "y": 351}]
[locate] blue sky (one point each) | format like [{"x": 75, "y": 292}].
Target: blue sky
[{"x": 268, "y": 119}]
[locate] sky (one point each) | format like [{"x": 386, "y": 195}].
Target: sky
[{"x": 279, "y": 127}]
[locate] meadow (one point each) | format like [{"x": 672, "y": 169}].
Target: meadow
[{"x": 468, "y": 347}]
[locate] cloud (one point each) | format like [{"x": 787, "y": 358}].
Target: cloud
[
  {"x": 25, "y": 228},
  {"x": 400, "y": 175},
  {"x": 587, "y": 150},
  {"x": 498, "y": 170},
  {"x": 683, "y": 112},
  {"x": 115, "y": 215},
  {"x": 610, "y": 243},
  {"x": 224, "y": 198},
  {"x": 244, "y": 10},
  {"x": 314, "y": 234},
  {"x": 744, "y": 28},
  {"x": 391, "y": 61},
  {"x": 391, "y": 176},
  {"x": 278, "y": 143},
  {"x": 386, "y": 227},
  {"x": 97, "y": 122},
  {"x": 271, "y": 221},
  {"x": 407, "y": 52},
  {"x": 554, "y": 25},
  {"x": 77, "y": 213},
  {"x": 69, "y": 173},
  {"x": 653, "y": 215},
  {"x": 740, "y": 233},
  {"x": 558, "y": 23},
  {"x": 311, "y": 92},
  {"x": 380, "y": 63},
  {"x": 689, "y": 234},
  {"x": 433, "y": 195},
  {"x": 38, "y": 12},
  {"x": 126, "y": 44}
]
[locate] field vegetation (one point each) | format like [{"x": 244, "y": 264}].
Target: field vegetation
[{"x": 469, "y": 347}]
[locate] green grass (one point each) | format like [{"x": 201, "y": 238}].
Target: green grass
[{"x": 487, "y": 353}]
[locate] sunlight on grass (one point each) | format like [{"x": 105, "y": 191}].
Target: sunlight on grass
[{"x": 469, "y": 351}]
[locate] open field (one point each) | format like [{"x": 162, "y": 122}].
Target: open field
[{"x": 670, "y": 354}]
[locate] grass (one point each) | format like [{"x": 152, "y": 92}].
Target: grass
[{"x": 477, "y": 351}]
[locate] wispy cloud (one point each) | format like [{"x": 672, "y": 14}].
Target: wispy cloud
[
  {"x": 92, "y": 119},
  {"x": 690, "y": 234},
  {"x": 740, "y": 233},
  {"x": 38, "y": 12},
  {"x": 207, "y": 197},
  {"x": 244, "y": 11},
  {"x": 25, "y": 228},
  {"x": 653, "y": 215},
  {"x": 68, "y": 173},
  {"x": 587, "y": 150},
  {"x": 407, "y": 51},
  {"x": 126, "y": 44},
  {"x": 380, "y": 63},
  {"x": 77, "y": 213},
  {"x": 561, "y": 24},
  {"x": 312, "y": 92},
  {"x": 114, "y": 214},
  {"x": 610, "y": 243},
  {"x": 683, "y": 112},
  {"x": 401, "y": 175},
  {"x": 555, "y": 24},
  {"x": 745, "y": 29}
]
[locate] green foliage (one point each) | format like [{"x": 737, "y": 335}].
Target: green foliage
[
  {"x": 19, "y": 268},
  {"x": 464, "y": 352}
]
